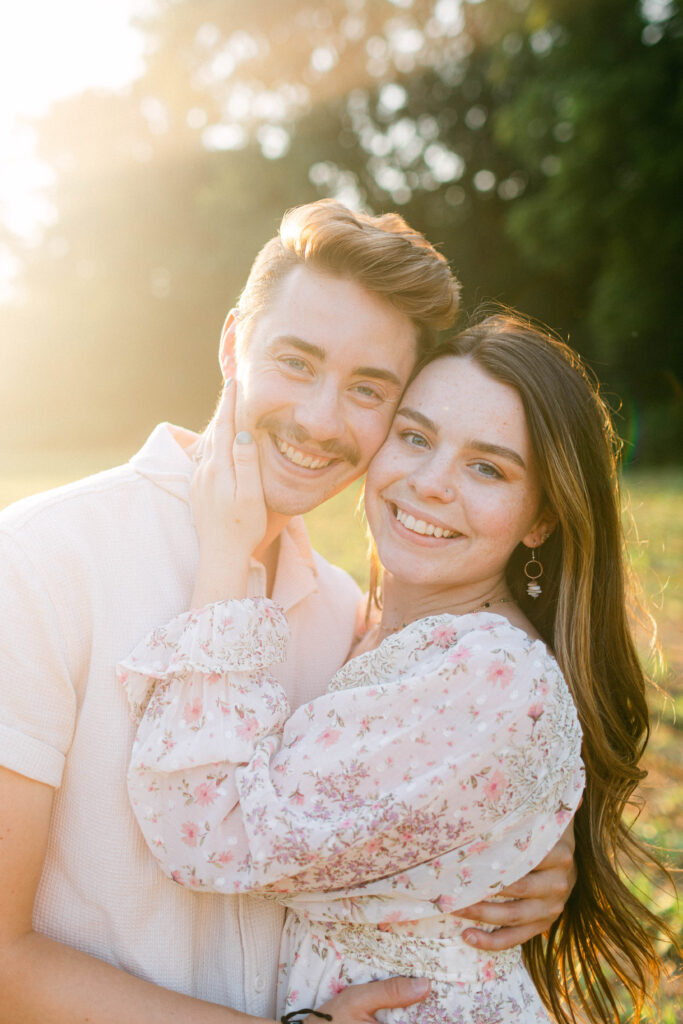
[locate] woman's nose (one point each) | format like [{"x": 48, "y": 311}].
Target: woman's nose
[{"x": 435, "y": 479}]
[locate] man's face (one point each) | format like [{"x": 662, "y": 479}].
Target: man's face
[{"x": 319, "y": 378}]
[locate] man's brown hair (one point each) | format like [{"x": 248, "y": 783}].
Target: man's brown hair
[{"x": 382, "y": 254}]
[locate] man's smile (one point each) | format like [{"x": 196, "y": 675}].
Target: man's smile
[{"x": 299, "y": 457}]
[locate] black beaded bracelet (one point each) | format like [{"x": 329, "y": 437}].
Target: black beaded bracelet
[{"x": 288, "y": 1018}]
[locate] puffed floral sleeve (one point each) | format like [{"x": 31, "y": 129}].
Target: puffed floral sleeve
[{"x": 448, "y": 760}]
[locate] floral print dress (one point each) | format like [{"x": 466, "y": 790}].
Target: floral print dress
[{"x": 439, "y": 767}]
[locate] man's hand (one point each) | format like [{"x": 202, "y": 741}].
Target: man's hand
[
  {"x": 534, "y": 902},
  {"x": 358, "y": 1003}
]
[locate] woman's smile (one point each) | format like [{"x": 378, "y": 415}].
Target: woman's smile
[{"x": 413, "y": 521}]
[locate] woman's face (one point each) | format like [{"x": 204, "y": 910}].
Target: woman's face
[{"x": 454, "y": 489}]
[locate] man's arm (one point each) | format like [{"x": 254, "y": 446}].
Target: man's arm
[
  {"x": 43, "y": 980},
  {"x": 534, "y": 902}
]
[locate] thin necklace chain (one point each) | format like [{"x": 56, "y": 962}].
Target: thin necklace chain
[{"x": 479, "y": 608}]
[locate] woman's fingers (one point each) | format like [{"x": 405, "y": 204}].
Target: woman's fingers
[
  {"x": 249, "y": 501},
  {"x": 221, "y": 432}
]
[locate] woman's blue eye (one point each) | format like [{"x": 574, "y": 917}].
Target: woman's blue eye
[{"x": 486, "y": 469}]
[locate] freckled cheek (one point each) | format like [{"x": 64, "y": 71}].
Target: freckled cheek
[
  {"x": 520, "y": 520},
  {"x": 383, "y": 467},
  {"x": 496, "y": 519}
]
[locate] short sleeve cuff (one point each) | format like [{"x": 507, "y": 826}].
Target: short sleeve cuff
[{"x": 31, "y": 757}]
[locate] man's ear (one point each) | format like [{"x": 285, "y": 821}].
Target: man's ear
[
  {"x": 541, "y": 530},
  {"x": 226, "y": 351}
]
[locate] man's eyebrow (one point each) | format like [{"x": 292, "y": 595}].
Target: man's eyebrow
[
  {"x": 316, "y": 352},
  {"x": 304, "y": 346},
  {"x": 378, "y": 373}
]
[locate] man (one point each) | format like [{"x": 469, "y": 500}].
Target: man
[{"x": 329, "y": 325}]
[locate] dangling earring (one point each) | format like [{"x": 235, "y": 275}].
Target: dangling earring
[{"x": 533, "y": 570}]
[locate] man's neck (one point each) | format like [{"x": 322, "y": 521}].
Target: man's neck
[{"x": 268, "y": 551}]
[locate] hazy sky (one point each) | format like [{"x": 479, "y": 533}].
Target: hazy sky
[{"x": 50, "y": 49}]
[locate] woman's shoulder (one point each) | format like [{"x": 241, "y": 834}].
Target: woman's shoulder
[
  {"x": 480, "y": 630},
  {"x": 449, "y": 644}
]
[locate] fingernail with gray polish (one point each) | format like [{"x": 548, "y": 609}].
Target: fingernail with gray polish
[{"x": 244, "y": 437}]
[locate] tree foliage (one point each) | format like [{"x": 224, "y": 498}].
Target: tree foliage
[{"x": 538, "y": 142}]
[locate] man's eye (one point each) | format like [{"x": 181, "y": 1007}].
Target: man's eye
[
  {"x": 367, "y": 391},
  {"x": 293, "y": 363},
  {"x": 415, "y": 439}
]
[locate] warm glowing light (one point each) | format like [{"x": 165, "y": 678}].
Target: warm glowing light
[{"x": 49, "y": 51}]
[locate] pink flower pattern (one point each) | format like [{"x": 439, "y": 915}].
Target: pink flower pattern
[
  {"x": 205, "y": 794},
  {"x": 192, "y": 712},
  {"x": 500, "y": 674},
  {"x": 189, "y": 834},
  {"x": 494, "y": 786},
  {"x": 422, "y": 782}
]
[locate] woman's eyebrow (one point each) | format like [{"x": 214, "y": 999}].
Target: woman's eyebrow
[
  {"x": 482, "y": 446},
  {"x": 498, "y": 449},
  {"x": 413, "y": 414}
]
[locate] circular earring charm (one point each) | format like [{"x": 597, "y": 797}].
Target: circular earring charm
[{"x": 533, "y": 570}]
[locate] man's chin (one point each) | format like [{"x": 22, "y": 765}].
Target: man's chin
[
  {"x": 292, "y": 506},
  {"x": 285, "y": 501}
]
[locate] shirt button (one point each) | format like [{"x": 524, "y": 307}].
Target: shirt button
[{"x": 258, "y": 983}]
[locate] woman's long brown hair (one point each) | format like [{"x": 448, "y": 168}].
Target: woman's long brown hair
[{"x": 605, "y": 931}]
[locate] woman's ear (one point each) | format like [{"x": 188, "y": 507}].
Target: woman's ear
[
  {"x": 541, "y": 530},
  {"x": 226, "y": 351}
]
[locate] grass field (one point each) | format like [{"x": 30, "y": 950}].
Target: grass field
[{"x": 655, "y": 532}]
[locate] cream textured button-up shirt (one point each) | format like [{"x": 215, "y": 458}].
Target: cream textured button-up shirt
[{"x": 86, "y": 572}]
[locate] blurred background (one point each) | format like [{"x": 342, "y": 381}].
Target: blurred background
[
  {"x": 148, "y": 148},
  {"x": 538, "y": 143}
]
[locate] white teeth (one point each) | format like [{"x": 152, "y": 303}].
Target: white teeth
[
  {"x": 420, "y": 526},
  {"x": 299, "y": 459}
]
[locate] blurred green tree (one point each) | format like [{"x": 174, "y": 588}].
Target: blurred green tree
[
  {"x": 536, "y": 141},
  {"x": 596, "y": 121}
]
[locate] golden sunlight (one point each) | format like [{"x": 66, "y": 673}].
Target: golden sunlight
[{"x": 48, "y": 51}]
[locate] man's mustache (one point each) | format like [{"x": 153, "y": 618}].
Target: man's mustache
[{"x": 296, "y": 434}]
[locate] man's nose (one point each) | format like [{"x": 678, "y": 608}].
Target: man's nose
[{"x": 320, "y": 414}]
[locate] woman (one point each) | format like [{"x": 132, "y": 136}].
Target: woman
[{"x": 445, "y": 760}]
